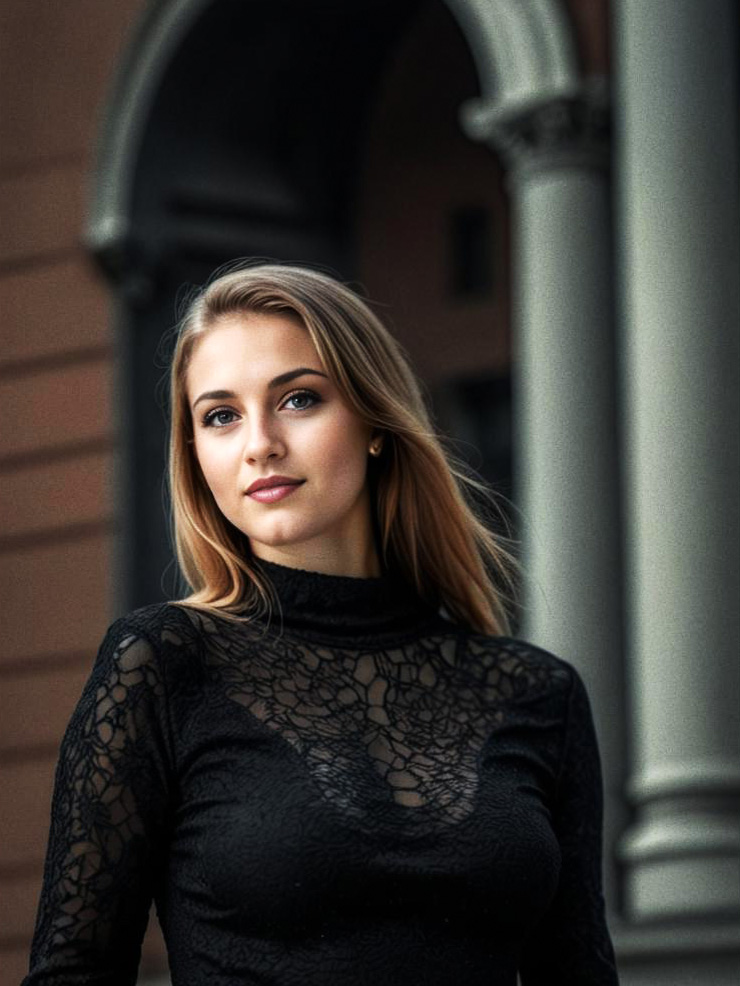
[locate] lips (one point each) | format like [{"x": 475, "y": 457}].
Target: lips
[
  {"x": 270, "y": 481},
  {"x": 273, "y": 488}
]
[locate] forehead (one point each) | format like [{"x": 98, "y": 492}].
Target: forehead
[{"x": 249, "y": 348}]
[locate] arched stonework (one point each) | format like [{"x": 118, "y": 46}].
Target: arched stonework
[
  {"x": 159, "y": 194},
  {"x": 157, "y": 38},
  {"x": 523, "y": 50}
]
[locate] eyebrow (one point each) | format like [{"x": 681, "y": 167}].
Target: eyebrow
[{"x": 283, "y": 378}]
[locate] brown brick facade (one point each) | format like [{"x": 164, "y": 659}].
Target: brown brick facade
[{"x": 56, "y": 421}]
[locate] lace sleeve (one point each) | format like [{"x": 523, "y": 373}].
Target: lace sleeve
[
  {"x": 108, "y": 822},
  {"x": 572, "y": 944}
]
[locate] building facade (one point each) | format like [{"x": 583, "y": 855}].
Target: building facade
[{"x": 542, "y": 198}]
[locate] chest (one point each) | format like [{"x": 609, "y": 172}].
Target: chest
[{"x": 393, "y": 784}]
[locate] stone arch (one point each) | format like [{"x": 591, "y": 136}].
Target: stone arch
[
  {"x": 523, "y": 50},
  {"x": 158, "y": 35},
  {"x": 167, "y": 209}
]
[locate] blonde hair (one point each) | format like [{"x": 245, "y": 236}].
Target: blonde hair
[{"x": 427, "y": 527}]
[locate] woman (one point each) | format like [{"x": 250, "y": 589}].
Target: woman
[{"x": 328, "y": 764}]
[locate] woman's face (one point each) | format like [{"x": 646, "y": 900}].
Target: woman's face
[{"x": 263, "y": 406}]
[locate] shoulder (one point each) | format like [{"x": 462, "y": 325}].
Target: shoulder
[
  {"x": 179, "y": 638},
  {"x": 510, "y": 667},
  {"x": 145, "y": 640},
  {"x": 149, "y": 658},
  {"x": 149, "y": 621},
  {"x": 164, "y": 626}
]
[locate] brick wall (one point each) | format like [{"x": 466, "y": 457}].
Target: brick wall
[{"x": 56, "y": 433}]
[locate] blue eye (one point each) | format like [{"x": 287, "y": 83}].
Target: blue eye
[
  {"x": 215, "y": 418},
  {"x": 299, "y": 400},
  {"x": 302, "y": 400}
]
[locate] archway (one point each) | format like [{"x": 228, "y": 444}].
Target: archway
[{"x": 228, "y": 135}]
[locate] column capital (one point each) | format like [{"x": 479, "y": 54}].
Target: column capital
[{"x": 565, "y": 131}]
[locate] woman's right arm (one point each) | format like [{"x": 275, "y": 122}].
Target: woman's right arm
[{"x": 109, "y": 822}]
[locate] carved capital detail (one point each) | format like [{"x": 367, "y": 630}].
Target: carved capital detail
[{"x": 567, "y": 130}]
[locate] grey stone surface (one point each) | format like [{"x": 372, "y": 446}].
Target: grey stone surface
[{"x": 680, "y": 267}]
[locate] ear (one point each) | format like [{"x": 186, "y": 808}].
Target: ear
[{"x": 376, "y": 443}]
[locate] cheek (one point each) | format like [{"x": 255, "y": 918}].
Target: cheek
[
  {"x": 215, "y": 466},
  {"x": 343, "y": 456}
]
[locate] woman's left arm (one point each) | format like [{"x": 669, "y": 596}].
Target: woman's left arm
[{"x": 572, "y": 944}]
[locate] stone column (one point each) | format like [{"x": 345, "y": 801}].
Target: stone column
[
  {"x": 680, "y": 271},
  {"x": 564, "y": 406}
]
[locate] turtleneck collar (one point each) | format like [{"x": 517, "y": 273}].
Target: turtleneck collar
[{"x": 339, "y": 606}]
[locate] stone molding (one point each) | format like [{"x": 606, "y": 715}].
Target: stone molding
[
  {"x": 568, "y": 131},
  {"x": 524, "y": 50},
  {"x": 690, "y": 778},
  {"x": 153, "y": 44}
]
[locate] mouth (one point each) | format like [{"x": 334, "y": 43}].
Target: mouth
[{"x": 278, "y": 489}]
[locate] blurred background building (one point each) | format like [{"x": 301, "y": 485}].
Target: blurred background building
[{"x": 541, "y": 199}]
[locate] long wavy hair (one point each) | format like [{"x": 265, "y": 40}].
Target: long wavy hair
[{"x": 432, "y": 516}]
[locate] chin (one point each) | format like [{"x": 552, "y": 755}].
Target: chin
[{"x": 279, "y": 538}]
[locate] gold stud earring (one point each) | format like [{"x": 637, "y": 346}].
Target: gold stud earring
[{"x": 375, "y": 448}]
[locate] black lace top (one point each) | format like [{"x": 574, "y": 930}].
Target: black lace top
[{"x": 364, "y": 794}]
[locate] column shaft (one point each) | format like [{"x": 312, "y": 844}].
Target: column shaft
[
  {"x": 680, "y": 263},
  {"x": 566, "y": 441}
]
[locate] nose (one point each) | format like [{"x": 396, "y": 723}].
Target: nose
[{"x": 263, "y": 439}]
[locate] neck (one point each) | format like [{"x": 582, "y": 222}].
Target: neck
[
  {"x": 341, "y": 606},
  {"x": 341, "y": 557}
]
